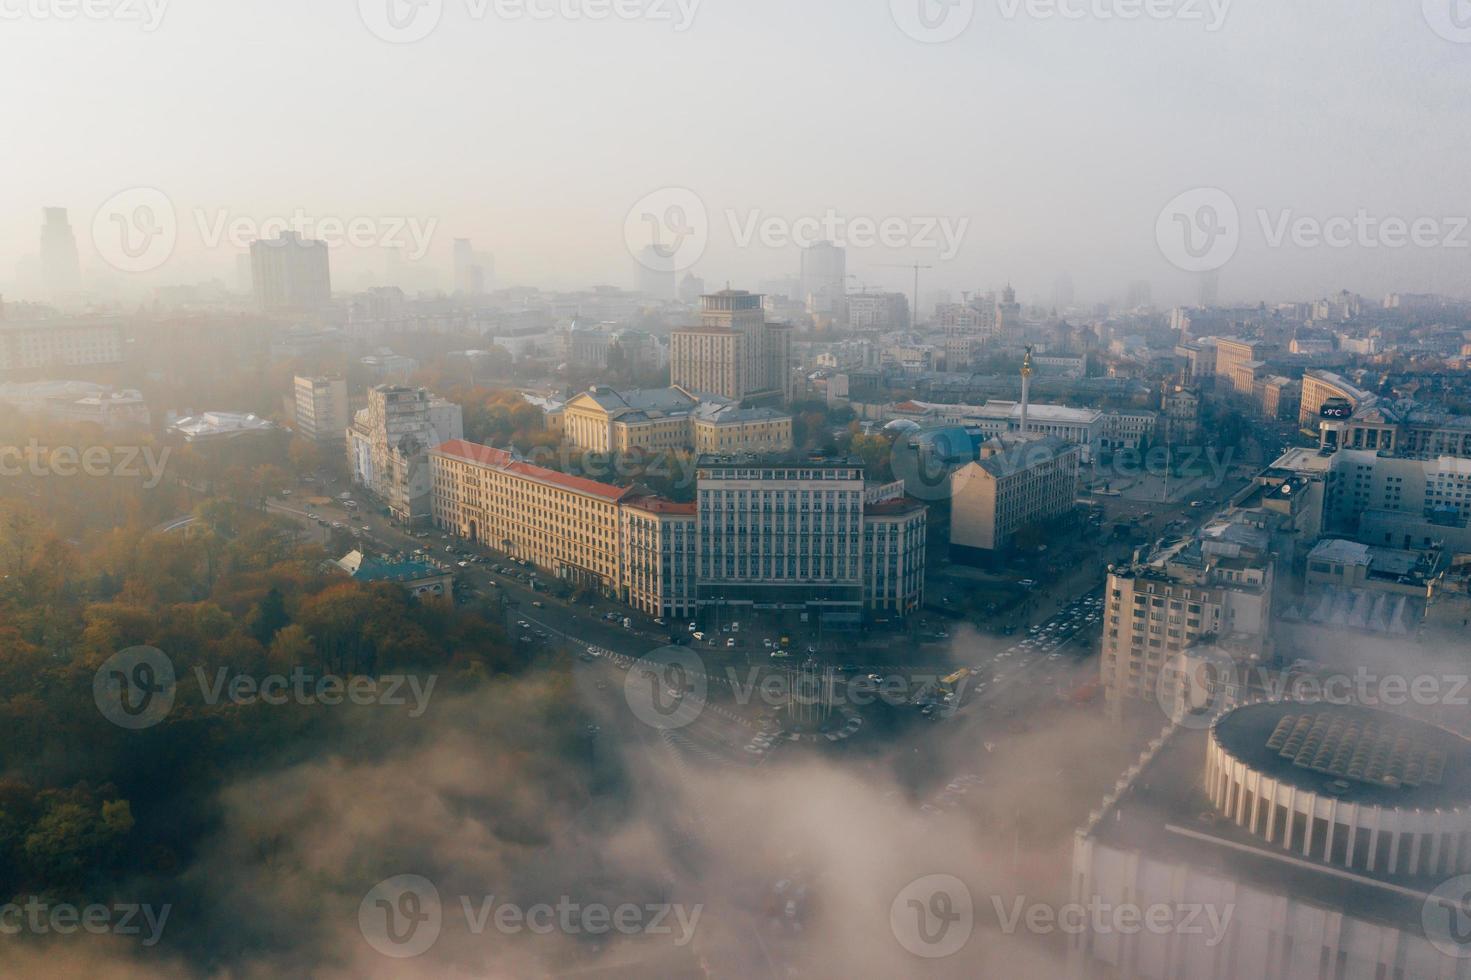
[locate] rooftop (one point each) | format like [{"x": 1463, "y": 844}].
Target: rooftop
[
  {"x": 1164, "y": 813},
  {"x": 1387, "y": 759},
  {"x": 504, "y": 461}
]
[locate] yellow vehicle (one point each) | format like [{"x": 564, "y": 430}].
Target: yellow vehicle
[{"x": 951, "y": 684}]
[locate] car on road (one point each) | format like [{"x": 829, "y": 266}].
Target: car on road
[
  {"x": 463, "y": 564},
  {"x": 692, "y": 627},
  {"x": 729, "y": 642},
  {"x": 537, "y": 603},
  {"x": 699, "y": 635}
]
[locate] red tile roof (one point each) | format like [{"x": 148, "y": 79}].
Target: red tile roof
[
  {"x": 500, "y": 459},
  {"x": 658, "y": 505}
]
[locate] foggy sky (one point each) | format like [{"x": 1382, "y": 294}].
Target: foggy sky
[{"x": 1059, "y": 140}]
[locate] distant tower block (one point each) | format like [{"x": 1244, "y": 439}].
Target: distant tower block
[{"x": 1026, "y": 387}]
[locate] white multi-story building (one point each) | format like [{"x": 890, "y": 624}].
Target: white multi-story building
[
  {"x": 1300, "y": 840},
  {"x": 1195, "y": 590},
  {"x": 60, "y": 343},
  {"x": 388, "y": 446},
  {"x": 321, "y": 408}
]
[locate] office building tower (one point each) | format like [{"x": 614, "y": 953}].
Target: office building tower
[
  {"x": 733, "y": 352},
  {"x": 321, "y": 408},
  {"x": 824, "y": 280},
  {"x": 290, "y": 273},
  {"x": 61, "y": 274}
]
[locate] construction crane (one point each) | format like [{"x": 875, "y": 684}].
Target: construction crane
[{"x": 914, "y": 308}]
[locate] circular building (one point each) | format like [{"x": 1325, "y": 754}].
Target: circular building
[{"x": 1351, "y": 786}]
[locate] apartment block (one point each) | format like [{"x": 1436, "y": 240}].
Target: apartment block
[
  {"x": 320, "y": 408},
  {"x": 388, "y": 446},
  {"x": 1016, "y": 484},
  {"x": 1194, "y": 592}
]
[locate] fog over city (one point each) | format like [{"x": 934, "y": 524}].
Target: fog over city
[
  {"x": 699, "y": 490},
  {"x": 1058, "y": 134}
]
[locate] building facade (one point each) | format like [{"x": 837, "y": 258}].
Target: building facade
[
  {"x": 60, "y": 343},
  {"x": 290, "y": 273},
  {"x": 765, "y": 533},
  {"x": 321, "y": 408},
  {"x": 733, "y": 352},
  {"x": 1011, "y": 488},
  {"x": 1195, "y": 592},
  {"x": 388, "y": 447}
]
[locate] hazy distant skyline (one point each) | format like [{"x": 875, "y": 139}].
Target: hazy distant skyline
[{"x": 1056, "y": 142}]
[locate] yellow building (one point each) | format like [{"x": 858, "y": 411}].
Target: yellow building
[
  {"x": 565, "y": 525},
  {"x": 659, "y": 554},
  {"x": 604, "y": 420}
]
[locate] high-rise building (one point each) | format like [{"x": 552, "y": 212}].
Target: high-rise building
[
  {"x": 61, "y": 274},
  {"x": 321, "y": 408},
  {"x": 1062, "y": 291},
  {"x": 657, "y": 276},
  {"x": 733, "y": 352},
  {"x": 290, "y": 273},
  {"x": 473, "y": 271},
  {"x": 824, "y": 279},
  {"x": 1216, "y": 590},
  {"x": 388, "y": 446},
  {"x": 1008, "y": 319}
]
